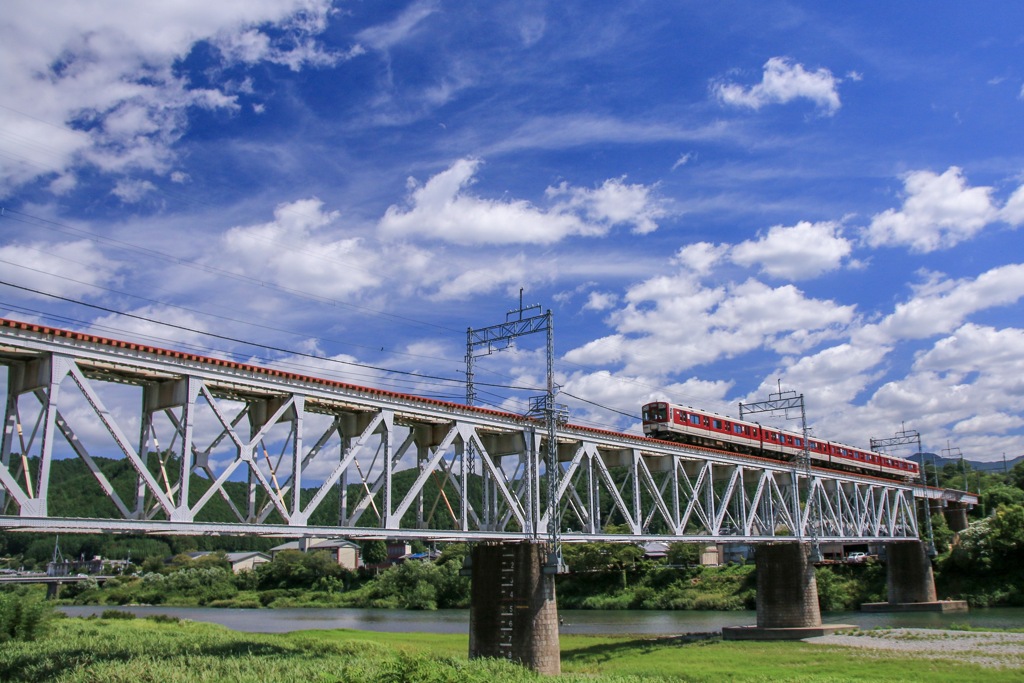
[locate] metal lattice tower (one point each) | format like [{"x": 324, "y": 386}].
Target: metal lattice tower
[
  {"x": 908, "y": 437},
  {"x": 784, "y": 401},
  {"x": 501, "y": 336}
]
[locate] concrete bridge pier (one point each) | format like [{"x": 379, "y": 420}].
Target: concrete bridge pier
[
  {"x": 911, "y": 582},
  {"x": 53, "y": 590},
  {"x": 787, "y": 596},
  {"x": 956, "y": 516},
  {"x": 512, "y": 611}
]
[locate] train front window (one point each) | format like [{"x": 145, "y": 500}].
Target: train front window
[{"x": 655, "y": 412}]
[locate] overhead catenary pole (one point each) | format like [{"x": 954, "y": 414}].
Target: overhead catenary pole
[
  {"x": 486, "y": 340},
  {"x": 908, "y": 437},
  {"x": 785, "y": 401}
]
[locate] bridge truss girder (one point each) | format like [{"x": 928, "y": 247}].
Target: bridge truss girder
[{"x": 292, "y": 457}]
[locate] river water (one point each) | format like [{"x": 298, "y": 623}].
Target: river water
[{"x": 582, "y": 622}]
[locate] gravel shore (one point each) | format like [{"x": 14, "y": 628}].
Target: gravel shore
[{"x": 986, "y": 648}]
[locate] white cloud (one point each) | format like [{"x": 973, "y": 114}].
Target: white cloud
[
  {"x": 784, "y": 81},
  {"x": 72, "y": 269},
  {"x": 1013, "y": 211},
  {"x": 672, "y": 323},
  {"x": 942, "y": 305},
  {"x": 701, "y": 257},
  {"x": 444, "y": 209},
  {"x": 683, "y": 160},
  {"x": 131, "y": 191},
  {"x": 296, "y": 250},
  {"x": 939, "y": 212},
  {"x": 386, "y": 36},
  {"x": 613, "y": 203},
  {"x": 600, "y": 301},
  {"x": 799, "y": 252},
  {"x": 102, "y": 88},
  {"x": 496, "y": 273}
]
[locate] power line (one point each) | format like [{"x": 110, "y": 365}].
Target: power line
[
  {"x": 268, "y": 347},
  {"x": 154, "y": 253}
]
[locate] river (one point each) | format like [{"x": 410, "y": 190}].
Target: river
[{"x": 581, "y": 622}]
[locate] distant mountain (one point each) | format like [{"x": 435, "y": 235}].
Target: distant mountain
[{"x": 975, "y": 465}]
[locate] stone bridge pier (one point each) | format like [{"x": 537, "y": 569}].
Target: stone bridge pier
[
  {"x": 512, "y": 611},
  {"x": 787, "y": 596},
  {"x": 910, "y": 582}
]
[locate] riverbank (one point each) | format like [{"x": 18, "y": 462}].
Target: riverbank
[{"x": 172, "y": 651}]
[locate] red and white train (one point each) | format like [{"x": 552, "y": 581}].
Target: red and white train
[{"x": 699, "y": 428}]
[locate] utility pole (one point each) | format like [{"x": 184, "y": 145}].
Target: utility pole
[
  {"x": 907, "y": 437},
  {"x": 785, "y": 401}
]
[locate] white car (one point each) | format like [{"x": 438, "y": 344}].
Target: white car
[{"x": 856, "y": 557}]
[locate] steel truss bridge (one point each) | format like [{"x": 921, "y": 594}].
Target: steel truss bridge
[{"x": 174, "y": 443}]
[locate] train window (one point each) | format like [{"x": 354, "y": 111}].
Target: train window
[
  {"x": 738, "y": 429},
  {"x": 695, "y": 419},
  {"x": 717, "y": 424},
  {"x": 798, "y": 442},
  {"x": 655, "y": 412}
]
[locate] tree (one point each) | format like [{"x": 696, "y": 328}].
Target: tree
[
  {"x": 684, "y": 553},
  {"x": 375, "y": 552},
  {"x": 1016, "y": 475},
  {"x": 1006, "y": 536}
]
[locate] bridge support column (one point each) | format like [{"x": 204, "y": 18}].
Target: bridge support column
[
  {"x": 911, "y": 582},
  {"x": 53, "y": 590},
  {"x": 956, "y": 517},
  {"x": 787, "y": 596},
  {"x": 512, "y": 611}
]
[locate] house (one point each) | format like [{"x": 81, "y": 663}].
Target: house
[
  {"x": 239, "y": 561},
  {"x": 398, "y": 551},
  {"x": 655, "y": 550},
  {"x": 346, "y": 553},
  {"x": 247, "y": 560}
]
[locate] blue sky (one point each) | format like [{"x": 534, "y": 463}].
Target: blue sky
[{"x": 711, "y": 197}]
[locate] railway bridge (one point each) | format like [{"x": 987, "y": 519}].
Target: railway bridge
[{"x": 175, "y": 443}]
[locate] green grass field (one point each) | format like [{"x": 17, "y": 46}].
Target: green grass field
[{"x": 142, "y": 650}]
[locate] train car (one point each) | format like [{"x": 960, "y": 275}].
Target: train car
[{"x": 701, "y": 428}]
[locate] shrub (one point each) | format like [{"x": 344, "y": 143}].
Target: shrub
[
  {"x": 24, "y": 616},
  {"x": 116, "y": 614}
]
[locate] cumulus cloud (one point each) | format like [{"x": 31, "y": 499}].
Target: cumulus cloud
[
  {"x": 673, "y": 323},
  {"x": 296, "y": 250},
  {"x": 939, "y": 212},
  {"x": 798, "y": 252},
  {"x": 443, "y": 208},
  {"x": 615, "y": 202},
  {"x": 701, "y": 257},
  {"x": 104, "y": 89},
  {"x": 783, "y": 81}
]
